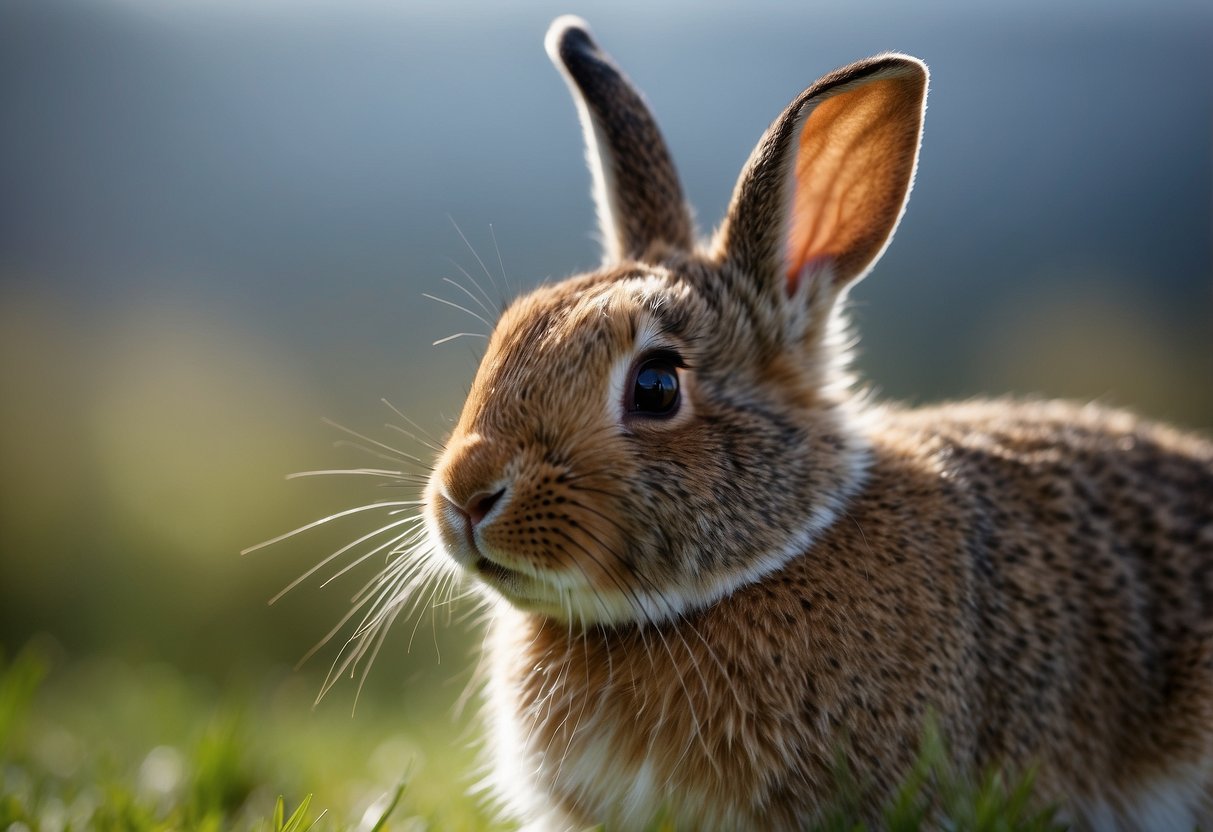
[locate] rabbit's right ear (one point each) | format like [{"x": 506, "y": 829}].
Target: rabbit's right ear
[
  {"x": 824, "y": 190},
  {"x": 636, "y": 188}
]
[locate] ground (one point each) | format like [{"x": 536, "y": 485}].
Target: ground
[{"x": 140, "y": 747}]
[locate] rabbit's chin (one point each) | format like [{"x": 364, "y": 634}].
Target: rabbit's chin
[
  {"x": 567, "y": 596},
  {"x": 580, "y": 606}
]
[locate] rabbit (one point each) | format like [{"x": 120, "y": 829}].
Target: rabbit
[{"x": 715, "y": 564}]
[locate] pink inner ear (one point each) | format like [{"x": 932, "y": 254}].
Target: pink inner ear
[{"x": 852, "y": 173}]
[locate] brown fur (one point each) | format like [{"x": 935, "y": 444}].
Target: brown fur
[
  {"x": 700, "y": 612},
  {"x": 1001, "y": 570}
]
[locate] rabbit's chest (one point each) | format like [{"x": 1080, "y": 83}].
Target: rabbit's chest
[
  {"x": 620, "y": 732},
  {"x": 592, "y": 769}
]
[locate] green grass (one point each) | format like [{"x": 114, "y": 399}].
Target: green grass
[
  {"x": 103, "y": 745},
  {"x": 934, "y": 795}
]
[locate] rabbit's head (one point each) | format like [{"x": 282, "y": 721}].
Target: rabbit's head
[{"x": 641, "y": 440}]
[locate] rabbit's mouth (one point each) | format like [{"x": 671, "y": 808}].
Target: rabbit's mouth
[
  {"x": 520, "y": 589},
  {"x": 490, "y": 571},
  {"x": 523, "y": 589},
  {"x": 495, "y": 573}
]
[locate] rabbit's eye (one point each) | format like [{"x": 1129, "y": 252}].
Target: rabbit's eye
[{"x": 655, "y": 390}]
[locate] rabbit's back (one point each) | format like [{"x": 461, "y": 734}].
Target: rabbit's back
[
  {"x": 1036, "y": 577},
  {"x": 1090, "y": 549}
]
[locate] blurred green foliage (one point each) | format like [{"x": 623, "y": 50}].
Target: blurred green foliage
[
  {"x": 108, "y": 746},
  {"x": 78, "y": 758},
  {"x": 934, "y": 795}
]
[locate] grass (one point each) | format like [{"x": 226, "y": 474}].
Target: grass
[
  {"x": 935, "y": 796},
  {"x": 106, "y": 746}
]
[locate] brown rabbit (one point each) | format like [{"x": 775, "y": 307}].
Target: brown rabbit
[{"x": 714, "y": 566}]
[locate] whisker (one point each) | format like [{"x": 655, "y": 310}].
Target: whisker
[
  {"x": 460, "y": 307},
  {"x": 395, "y": 567},
  {"x": 365, "y": 472},
  {"x": 363, "y": 558},
  {"x": 349, "y": 443},
  {"x": 675, "y": 616},
  {"x": 384, "y": 609},
  {"x": 463, "y": 236},
  {"x": 633, "y": 599},
  {"x": 410, "y": 435},
  {"x": 353, "y": 610},
  {"x": 323, "y": 520},
  {"x": 336, "y": 555},
  {"x": 366, "y": 670},
  {"x": 394, "y": 512},
  {"x": 505, "y": 278},
  {"x": 406, "y": 567},
  {"x": 425, "y": 439},
  {"x": 438, "y": 444},
  {"x": 450, "y": 338},
  {"x": 401, "y": 454},
  {"x": 429, "y": 598},
  {"x": 471, "y": 279},
  {"x": 464, "y": 289},
  {"x": 690, "y": 702}
]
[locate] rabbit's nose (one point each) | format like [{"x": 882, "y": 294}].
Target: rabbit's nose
[{"x": 479, "y": 505}]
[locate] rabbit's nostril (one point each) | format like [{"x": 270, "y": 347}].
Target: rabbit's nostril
[{"x": 480, "y": 505}]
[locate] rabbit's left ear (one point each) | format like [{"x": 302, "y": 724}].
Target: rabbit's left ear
[
  {"x": 829, "y": 180},
  {"x": 636, "y": 188}
]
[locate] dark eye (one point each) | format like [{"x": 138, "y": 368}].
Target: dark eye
[{"x": 655, "y": 390}]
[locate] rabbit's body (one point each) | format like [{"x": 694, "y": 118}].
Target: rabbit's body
[
  {"x": 1031, "y": 574},
  {"x": 718, "y": 567}
]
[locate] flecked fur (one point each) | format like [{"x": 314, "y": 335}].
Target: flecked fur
[{"x": 698, "y": 615}]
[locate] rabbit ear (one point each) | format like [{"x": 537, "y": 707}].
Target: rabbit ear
[
  {"x": 636, "y": 188},
  {"x": 829, "y": 180}
]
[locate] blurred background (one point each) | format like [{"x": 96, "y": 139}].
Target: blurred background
[{"x": 217, "y": 220}]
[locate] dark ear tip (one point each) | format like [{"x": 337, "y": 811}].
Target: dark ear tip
[
  {"x": 905, "y": 65},
  {"x": 567, "y": 37},
  {"x": 890, "y": 65}
]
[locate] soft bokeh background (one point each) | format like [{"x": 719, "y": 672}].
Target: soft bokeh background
[{"x": 217, "y": 219}]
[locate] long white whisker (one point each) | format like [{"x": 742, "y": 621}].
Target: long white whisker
[
  {"x": 435, "y": 440},
  {"x": 364, "y": 472},
  {"x": 384, "y": 626},
  {"x": 460, "y": 307},
  {"x": 472, "y": 280},
  {"x": 426, "y": 577},
  {"x": 353, "y": 610},
  {"x": 323, "y": 520},
  {"x": 450, "y": 338},
  {"x": 309, "y": 573},
  {"x": 401, "y": 454},
  {"x": 698, "y": 730},
  {"x": 382, "y": 612},
  {"x": 465, "y": 290},
  {"x": 487, "y": 273},
  {"x": 505, "y": 278},
  {"x": 412, "y": 436},
  {"x": 404, "y": 568},
  {"x": 398, "y": 591},
  {"x": 349, "y": 443},
  {"x": 363, "y": 558}
]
